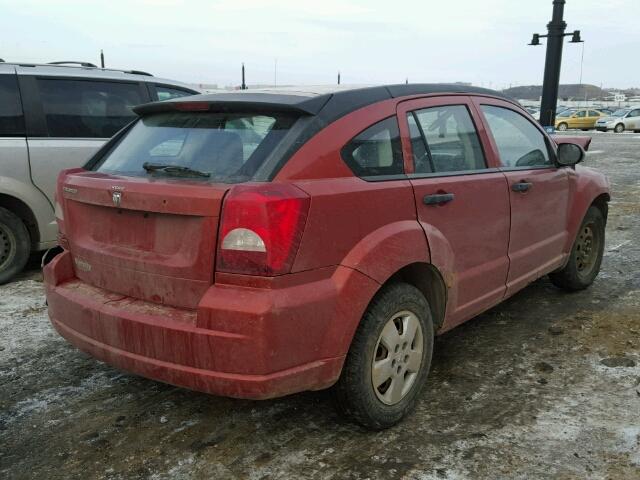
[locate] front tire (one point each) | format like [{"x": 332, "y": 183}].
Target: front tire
[
  {"x": 15, "y": 244},
  {"x": 586, "y": 255},
  {"x": 563, "y": 127},
  {"x": 619, "y": 128},
  {"x": 389, "y": 359}
]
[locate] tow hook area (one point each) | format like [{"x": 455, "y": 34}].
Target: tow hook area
[{"x": 50, "y": 255}]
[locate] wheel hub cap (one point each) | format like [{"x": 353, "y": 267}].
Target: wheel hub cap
[{"x": 397, "y": 358}]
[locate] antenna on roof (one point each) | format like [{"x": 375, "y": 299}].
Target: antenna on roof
[
  {"x": 338, "y": 78},
  {"x": 101, "y": 59},
  {"x": 243, "y": 86}
]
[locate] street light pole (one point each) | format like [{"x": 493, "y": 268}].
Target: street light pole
[
  {"x": 556, "y": 28},
  {"x": 552, "y": 64}
]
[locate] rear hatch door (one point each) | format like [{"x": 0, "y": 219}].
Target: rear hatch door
[{"x": 147, "y": 238}]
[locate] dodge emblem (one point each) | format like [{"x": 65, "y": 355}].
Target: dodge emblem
[{"x": 117, "y": 198}]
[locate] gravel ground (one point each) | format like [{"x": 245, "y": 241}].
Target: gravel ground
[{"x": 546, "y": 385}]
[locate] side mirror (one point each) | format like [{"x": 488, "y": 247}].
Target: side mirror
[{"x": 569, "y": 154}]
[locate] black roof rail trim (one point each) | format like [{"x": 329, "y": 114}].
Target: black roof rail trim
[
  {"x": 328, "y": 106},
  {"x": 402, "y": 90},
  {"x": 85, "y": 65},
  {"x": 82, "y": 64},
  {"x": 133, "y": 72}
]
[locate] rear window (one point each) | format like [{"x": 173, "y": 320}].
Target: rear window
[{"x": 227, "y": 147}]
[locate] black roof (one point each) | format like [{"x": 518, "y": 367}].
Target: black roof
[{"x": 328, "y": 105}]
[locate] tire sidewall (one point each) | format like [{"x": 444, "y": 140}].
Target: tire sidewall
[
  {"x": 594, "y": 216},
  {"x": 617, "y": 130},
  {"x": 22, "y": 247},
  {"x": 563, "y": 127},
  {"x": 394, "y": 299}
]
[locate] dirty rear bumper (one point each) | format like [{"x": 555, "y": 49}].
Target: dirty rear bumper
[{"x": 240, "y": 342}]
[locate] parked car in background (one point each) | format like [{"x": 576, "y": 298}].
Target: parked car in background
[
  {"x": 54, "y": 117},
  {"x": 620, "y": 120},
  {"x": 254, "y": 245},
  {"x": 582, "y": 118}
]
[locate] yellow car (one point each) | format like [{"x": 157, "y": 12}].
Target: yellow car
[{"x": 583, "y": 118}]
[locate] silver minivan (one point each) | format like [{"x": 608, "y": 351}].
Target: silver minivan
[{"x": 53, "y": 117}]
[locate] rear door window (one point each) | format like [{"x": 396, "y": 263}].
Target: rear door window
[
  {"x": 11, "y": 117},
  {"x": 519, "y": 142},
  {"x": 451, "y": 141},
  {"x": 167, "y": 93},
  {"x": 376, "y": 151},
  {"x": 87, "y": 109},
  {"x": 222, "y": 147}
]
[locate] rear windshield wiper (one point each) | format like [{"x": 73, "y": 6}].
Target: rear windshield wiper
[{"x": 174, "y": 170}]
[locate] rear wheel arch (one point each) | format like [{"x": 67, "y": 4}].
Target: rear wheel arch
[
  {"x": 22, "y": 210},
  {"x": 428, "y": 279}
]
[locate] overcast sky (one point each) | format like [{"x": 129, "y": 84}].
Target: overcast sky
[{"x": 369, "y": 41}]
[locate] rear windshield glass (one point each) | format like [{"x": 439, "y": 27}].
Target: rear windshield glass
[{"x": 218, "y": 147}]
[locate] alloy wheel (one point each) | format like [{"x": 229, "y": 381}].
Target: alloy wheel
[{"x": 397, "y": 358}]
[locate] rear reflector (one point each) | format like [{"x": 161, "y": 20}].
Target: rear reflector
[{"x": 261, "y": 229}]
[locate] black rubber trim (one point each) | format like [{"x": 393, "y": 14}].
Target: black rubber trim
[
  {"x": 417, "y": 176},
  {"x": 529, "y": 167},
  {"x": 97, "y": 157}
]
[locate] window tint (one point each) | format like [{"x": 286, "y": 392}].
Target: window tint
[
  {"x": 519, "y": 143},
  {"x": 11, "y": 118},
  {"x": 81, "y": 108},
  {"x": 228, "y": 147},
  {"x": 581, "y": 114},
  {"x": 167, "y": 93},
  {"x": 376, "y": 151},
  {"x": 451, "y": 140},
  {"x": 594, "y": 113},
  {"x": 635, "y": 113}
]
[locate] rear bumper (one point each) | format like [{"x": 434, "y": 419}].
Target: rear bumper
[{"x": 241, "y": 341}]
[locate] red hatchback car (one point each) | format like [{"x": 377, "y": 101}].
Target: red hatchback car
[{"x": 254, "y": 245}]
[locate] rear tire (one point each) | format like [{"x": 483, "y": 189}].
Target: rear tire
[
  {"x": 619, "y": 128},
  {"x": 563, "y": 127},
  {"x": 586, "y": 254},
  {"x": 15, "y": 245},
  {"x": 389, "y": 359}
]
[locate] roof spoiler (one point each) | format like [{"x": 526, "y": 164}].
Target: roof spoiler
[{"x": 235, "y": 102}]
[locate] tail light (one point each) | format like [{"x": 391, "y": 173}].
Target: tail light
[{"x": 261, "y": 229}]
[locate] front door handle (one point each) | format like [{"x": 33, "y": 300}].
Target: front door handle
[
  {"x": 521, "y": 186},
  {"x": 438, "y": 198}
]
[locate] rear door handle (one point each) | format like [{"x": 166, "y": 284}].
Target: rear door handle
[
  {"x": 521, "y": 186},
  {"x": 438, "y": 198}
]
